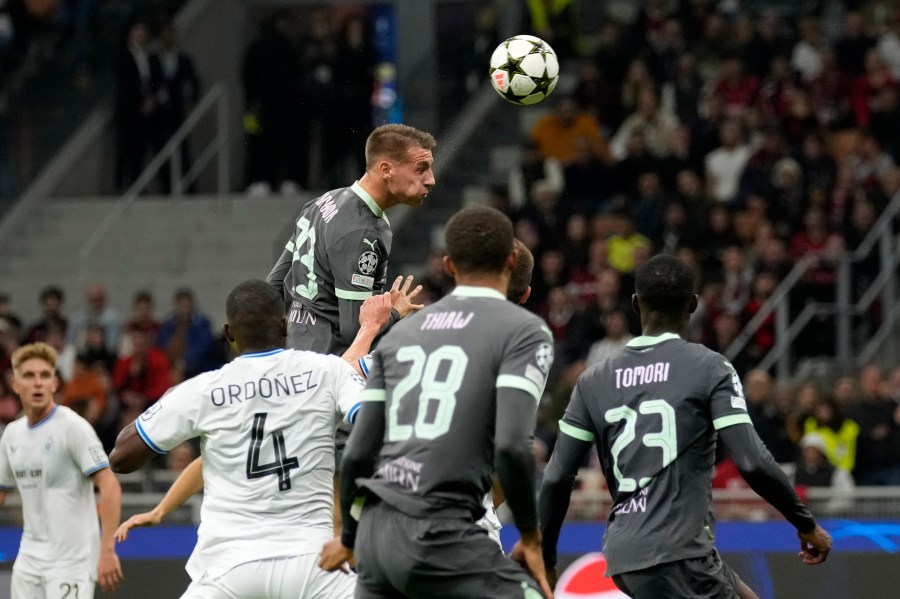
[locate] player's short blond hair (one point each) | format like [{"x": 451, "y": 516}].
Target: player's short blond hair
[
  {"x": 392, "y": 141},
  {"x": 39, "y": 350}
]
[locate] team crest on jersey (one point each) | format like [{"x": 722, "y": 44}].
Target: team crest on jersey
[
  {"x": 368, "y": 261},
  {"x": 543, "y": 357},
  {"x": 48, "y": 445}
]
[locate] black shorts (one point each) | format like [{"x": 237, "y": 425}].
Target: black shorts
[
  {"x": 398, "y": 556},
  {"x": 706, "y": 577}
]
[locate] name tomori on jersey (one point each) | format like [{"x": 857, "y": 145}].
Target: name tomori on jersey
[
  {"x": 279, "y": 385},
  {"x": 641, "y": 375}
]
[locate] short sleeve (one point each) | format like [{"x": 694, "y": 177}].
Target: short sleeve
[
  {"x": 727, "y": 404},
  {"x": 527, "y": 359},
  {"x": 358, "y": 264},
  {"x": 7, "y": 480},
  {"x": 173, "y": 419},
  {"x": 85, "y": 448},
  {"x": 348, "y": 386},
  {"x": 576, "y": 422}
]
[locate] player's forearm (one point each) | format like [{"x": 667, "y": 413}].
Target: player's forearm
[
  {"x": 280, "y": 270},
  {"x": 359, "y": 462},
  {"x": 188, "y": 484},
  {"x": 361, "y": 345},
  {"x": 759, "y": 469},
  {"x": 556, "y": 490},
  {"x": 514, "y": 456},
  {"x": 2, "y": 498},
  {"x": 109, "y": 507},
  {"x": 348, "y": 317}
]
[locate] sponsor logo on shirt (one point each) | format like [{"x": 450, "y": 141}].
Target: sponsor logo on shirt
[
  {"x": 371, "y": 244},
  {"x": 635, "y": 505},
  {"x": 362, "y": 281},
  {"x": 739, "y": 403},
  {"x": 367, "y": 263}
]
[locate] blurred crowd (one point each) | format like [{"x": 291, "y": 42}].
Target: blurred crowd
[{"x": 111, "y": 367}]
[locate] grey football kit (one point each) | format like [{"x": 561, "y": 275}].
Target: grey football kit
[
  {"x": 446, "y": 385},
  {"x": 335, "y": 259},
  {"x": 655, "y": 411}
]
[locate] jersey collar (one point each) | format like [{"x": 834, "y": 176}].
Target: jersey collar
[
  {"x": 472, "y": 291},
  {"x": 364, "y": 195},
  {"x": 44, "y": 419},
  {"x": 645, "y": 340},
  {"x": 263, "y": 354}
]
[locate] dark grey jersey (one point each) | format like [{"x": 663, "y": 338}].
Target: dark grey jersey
[
  {"x": 653, "y": 410},
  {"x": 438, "y": 372},
  {"x": 339, "y": 250}
]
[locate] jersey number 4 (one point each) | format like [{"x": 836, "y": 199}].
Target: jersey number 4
[{"x": 282, "y": 465}]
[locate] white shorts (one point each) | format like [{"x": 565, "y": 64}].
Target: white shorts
[
  {"x": 29, "y": 586},
  {"x": 298, "y": 577}
]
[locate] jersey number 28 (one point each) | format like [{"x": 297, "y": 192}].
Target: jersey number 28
[{"x": 423, "y": 372}]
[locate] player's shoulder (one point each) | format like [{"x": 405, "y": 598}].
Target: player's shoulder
[
  {"x": 16, "y": 427},
  {"x": 309, "y": 358},
  {"x": 69, "y": 419}
]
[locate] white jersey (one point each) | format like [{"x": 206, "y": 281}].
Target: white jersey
[
  {"x": 266, "y": 422},
  {"x": 490, "y": 522},
  {"x": 51, "y": 463}
]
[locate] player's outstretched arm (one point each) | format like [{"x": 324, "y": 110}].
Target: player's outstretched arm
[
  {"x": 556, "y": 491},
  {"x": 759, "y": 469},
  {"x": 130, "y": 452},
  {"x": 109, "y": 506},
  {"x": 188, "y": 484}
]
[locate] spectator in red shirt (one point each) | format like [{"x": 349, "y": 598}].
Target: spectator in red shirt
[
  {"x": 735, "y": 87},
  {"x": 141, "y": 378},
  {"x": 868, "y": 87}
]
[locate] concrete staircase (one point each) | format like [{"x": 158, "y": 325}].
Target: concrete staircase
[{"x": 206, "y": 243}]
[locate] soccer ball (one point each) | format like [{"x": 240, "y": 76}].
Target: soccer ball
[{"x": 524, "y": 69}]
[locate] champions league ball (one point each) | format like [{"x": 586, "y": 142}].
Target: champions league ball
[{"x": 524, "y": 69}]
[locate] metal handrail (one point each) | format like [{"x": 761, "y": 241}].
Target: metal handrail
[
  {"x": 217, "y": 97},
  {"x": 844, "y": 309}
]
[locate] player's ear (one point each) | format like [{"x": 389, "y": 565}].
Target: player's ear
[
  {"x": 635, "y": 304},
  {"x": 226, "y": 330},
  {"x": 384, "y": 169},
  {"x": 449, "y": 267},
  {"x": 525, "y": 295},
  {"x": 695, "y": 301}
]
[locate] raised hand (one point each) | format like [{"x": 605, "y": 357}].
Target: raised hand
[
  {"x": 376, "y": 311},
  {"x": 402, "y": 298}
]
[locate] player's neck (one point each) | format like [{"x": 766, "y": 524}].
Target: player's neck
[
  {"x": 258, "y": 348},
  {"x": 35, "y": 414},
  {"x": 495, "y": 282},
  {"x": 653, "y": 325},
  {"x": 376, "y": 190}
]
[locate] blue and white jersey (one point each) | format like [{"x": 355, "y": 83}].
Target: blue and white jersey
[
  {"x": 50, "y": 464},
  {"x": 266, "y": 422}
]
